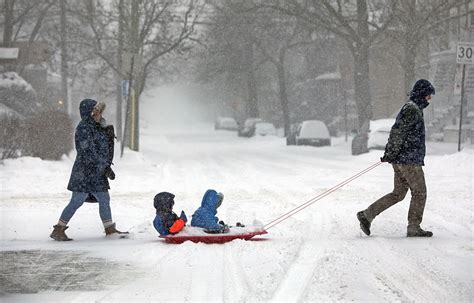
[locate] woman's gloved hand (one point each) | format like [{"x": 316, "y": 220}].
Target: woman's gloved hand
[{"x": 109, "y": 173}]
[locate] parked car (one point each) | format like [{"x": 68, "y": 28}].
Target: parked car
[
  {"x": 265, "y": 128},
  {"x": 311, "y": 132},
  {"x": 379, "y": 133},
  {"x": 226, "y": 123},
  {"x": 248, "y": 128}
]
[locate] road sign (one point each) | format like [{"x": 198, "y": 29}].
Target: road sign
[
  {"x": 9, "y": 52},
  {"x": 125, "y": 85},
  {"x": 465, "y": 53}
]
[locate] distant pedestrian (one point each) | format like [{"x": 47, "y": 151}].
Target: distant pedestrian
[
  {"x": 91, "y": 169},
  {"x": 405, "y": 150}
]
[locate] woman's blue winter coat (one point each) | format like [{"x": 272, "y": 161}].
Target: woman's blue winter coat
[
  {"x": 205, "y": 216},
  {"x": 92, "y": 153}
]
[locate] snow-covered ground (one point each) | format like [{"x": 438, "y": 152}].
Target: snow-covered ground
[{"x": 317, "y": 255}]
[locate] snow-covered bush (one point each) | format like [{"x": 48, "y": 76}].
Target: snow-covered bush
[
  {"x": 11, "y": 135},
  {"x": 17, "y": 94},
  {"x": 48, "y": 135}
]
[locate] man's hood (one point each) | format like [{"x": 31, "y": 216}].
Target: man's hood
[{"x": 421, "y": 89}]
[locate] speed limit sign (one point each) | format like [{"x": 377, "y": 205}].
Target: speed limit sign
[{"x": 465, "y": 53}]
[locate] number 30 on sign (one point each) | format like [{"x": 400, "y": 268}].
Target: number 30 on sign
[{"x": 464, "y": 54}]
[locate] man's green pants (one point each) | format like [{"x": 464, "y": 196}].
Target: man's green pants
[{"x": 406, "y": 177}]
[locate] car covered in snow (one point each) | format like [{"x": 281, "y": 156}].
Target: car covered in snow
[
  {"x": 379, "y": 133},
  {"x": 264, "y": 129},
  {"x": 248, "y": 128},
  {"x": 226, "y": 123},
  {"x": 310, "y": 132}
]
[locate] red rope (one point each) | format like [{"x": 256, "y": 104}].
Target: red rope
[{"x": 318, "y": 197}]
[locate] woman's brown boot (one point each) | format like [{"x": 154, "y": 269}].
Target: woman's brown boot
[
  {"x": 59, "y": 234},
  {"x": 112, "y": 230}
]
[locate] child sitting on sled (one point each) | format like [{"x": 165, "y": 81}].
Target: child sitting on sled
[
  {"x": 205, "y": 216},
  {"x": 166, "y": 221}
]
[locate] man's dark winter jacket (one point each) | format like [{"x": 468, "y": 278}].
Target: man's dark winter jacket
[
  {"x": 92, "y": 153},
  {"x": 406, "y": 144}
]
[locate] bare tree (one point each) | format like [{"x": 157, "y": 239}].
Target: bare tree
[
  {"x": 152, "y": 30},
  {"x": 415, "y": 21},
  {"x": 8, "y": 15},
  {"x": 276, "y": 35},
  {"x": 230, "y": 51},
  {"x": 23, "y": 21},
  {"x": 353, "y": 22},
  {"x": 64, "y": 54},
  {"x": 142, "y": 31}
]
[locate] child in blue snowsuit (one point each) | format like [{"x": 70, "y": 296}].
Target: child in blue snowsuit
[
  {"x": 166, "y": 221},
  {"x": 205, "y": 215}
]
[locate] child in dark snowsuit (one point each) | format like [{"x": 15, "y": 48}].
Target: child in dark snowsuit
[
  {"x": 166, "y": 221},
  {"x": 205, "y": 216}
]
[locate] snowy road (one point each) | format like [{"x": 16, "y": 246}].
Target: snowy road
[{"x": 317, "y": 255}]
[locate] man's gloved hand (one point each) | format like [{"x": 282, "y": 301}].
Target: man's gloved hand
[
  {"x": 109, "y": 173},
  {"x": 385, "y": 158}
]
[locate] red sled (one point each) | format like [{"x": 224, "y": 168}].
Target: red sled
[{"x": 212, "y": 238}]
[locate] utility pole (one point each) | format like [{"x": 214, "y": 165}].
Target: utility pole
[
  {"x": 131, "y": 61},
  {"x": 119, "y": 75}
]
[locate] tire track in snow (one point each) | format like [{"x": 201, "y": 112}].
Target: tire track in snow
[
  {"x": 397, "y": 269},
  {"x": 157, "y": 283},
  {"x": 237, "y": 287},
  {"x": 202, "y": 288},
  {"x": 298, "y": 277}
]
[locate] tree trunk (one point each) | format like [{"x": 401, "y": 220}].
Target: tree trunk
[
  {"x": 410, "y": 44},
  {"x": 362, "y": 86},
  {"x": 362, "y": 100},
  {"x": 252, "y": 98},
  {"x": 361, "y": 79},
  {"x": 283, "y": 96},
  {"x": 409, "y": 63},
  {"x": 64, "y": 56},
  {"x": 134, "y": 115},
  {"x": 8, "y": 17}
]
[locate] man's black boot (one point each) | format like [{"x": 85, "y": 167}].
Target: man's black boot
[
  {"x": 364, "y": 222},
  {"x": 414, "y": 230}
]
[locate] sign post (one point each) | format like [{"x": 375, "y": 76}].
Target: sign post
[
  {"x": 464, "y": 55},
  {"x": 125, "y": 85}
]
